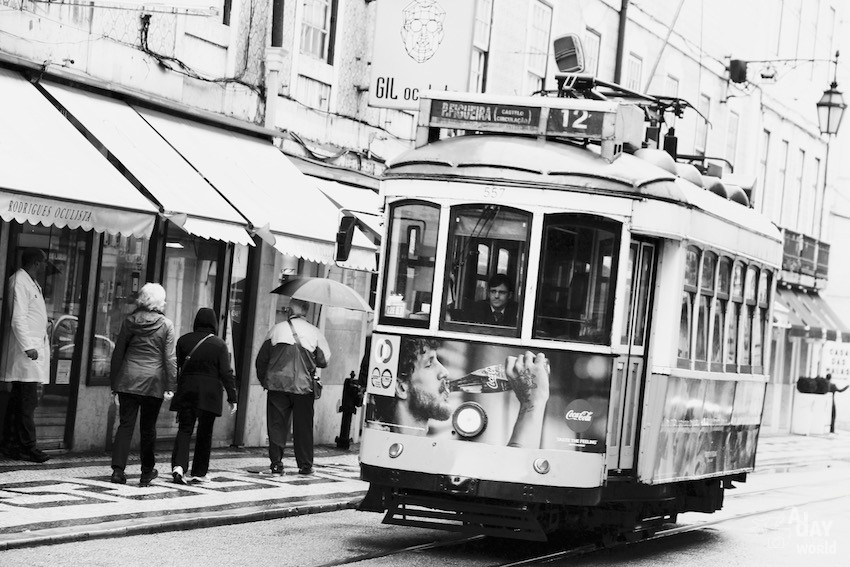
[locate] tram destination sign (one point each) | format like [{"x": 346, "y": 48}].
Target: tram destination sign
[
  {"x": 567, "y": 122},
  {"x": 575, "y": 122},
  {"x": 485, "y": 115},
  {"x": 608, "y": 123}
]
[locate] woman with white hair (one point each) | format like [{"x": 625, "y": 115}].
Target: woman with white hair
[{"x": 143, "y": 372}]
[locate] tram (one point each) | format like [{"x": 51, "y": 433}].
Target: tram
[{"x": 572, "y": 330}]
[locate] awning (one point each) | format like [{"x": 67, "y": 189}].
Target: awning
[
  {"x": 362, "y": 204},
  {"x": 831, "y": 323},
  {"x": 810, "y": 316},
  {"x": 51, "y": 175},
  {"x": 166, "y": 175},
  {"x": 263, "y": 185}
]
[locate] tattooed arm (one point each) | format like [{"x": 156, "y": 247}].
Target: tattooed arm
[{"x": 529, "y": 378}]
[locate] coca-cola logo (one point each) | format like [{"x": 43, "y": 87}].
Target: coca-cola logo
[{"x": 579, "y": 415}]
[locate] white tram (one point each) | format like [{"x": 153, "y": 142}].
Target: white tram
[{"x": 567, "y": 335}]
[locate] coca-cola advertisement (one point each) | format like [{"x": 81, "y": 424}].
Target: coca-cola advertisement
[
  {"x": 708, "y": 427},
  {"x": 484, "y": 393}
]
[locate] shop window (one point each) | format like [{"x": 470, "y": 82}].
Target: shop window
[
  {"x": 123, "y": 261},
  {"x": 409, "y": 284},
  {"x": 234, "y": 332},
  {"x": 191, "y": 277},
  {"x": 577, "y": 276},
  {"x": 488, "y": 248}
]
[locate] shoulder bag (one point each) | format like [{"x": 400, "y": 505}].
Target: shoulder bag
[
  {"x": 305, "y": 357},
  {"x": 191, "y": 352}
]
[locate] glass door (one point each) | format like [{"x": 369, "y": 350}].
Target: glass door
[{"x": 62, "y": 285}]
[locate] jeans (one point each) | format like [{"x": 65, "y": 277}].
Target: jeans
[
  {"x": 281, "y": 408},
  {"x": 19, "y": 422},
  {"x": 129, "y": 409},
  {"x": 203, "y": 440}
]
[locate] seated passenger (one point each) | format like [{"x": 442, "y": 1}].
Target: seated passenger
[{"x": 499, "y": 308}]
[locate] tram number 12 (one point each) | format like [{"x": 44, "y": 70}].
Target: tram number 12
[{"x": 576, "y": 121}]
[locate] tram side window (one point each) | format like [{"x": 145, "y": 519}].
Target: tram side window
[
  {"x": 488, "y": 251},
  {"x": 411, "y": 252},
  {"x": 760, "y": 325},
  {"x": 749, "y": 312},
  {"x": 733, "y": 316},
  {"x": 577, "y": 277},
  {"x": 706, "y": 293},
  {"x": 686, "y": 317},
  {"x": 721, "y": 303}
]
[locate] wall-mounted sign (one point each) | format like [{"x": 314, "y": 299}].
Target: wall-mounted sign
[{"x": 420, "y": 45}]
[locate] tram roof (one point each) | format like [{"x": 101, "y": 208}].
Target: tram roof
[
  {"x": 553, "y": 164},
  {"x": 528, "y": 160}
]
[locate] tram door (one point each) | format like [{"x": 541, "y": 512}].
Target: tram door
[{"x": 629, "y": 367}]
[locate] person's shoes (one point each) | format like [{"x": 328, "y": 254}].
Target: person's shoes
[
  {"x": 305, "y": 470},
  {"x": 118, "y": 477},
  {"x": 34, "y": 455},
  {"x": 147, "y": 477},
  {"x": 277, "y": 469},
  {"x": 177, "y": 475},
  {"x": 200, "y": 479},
  {"x": 10, "y": 452}
]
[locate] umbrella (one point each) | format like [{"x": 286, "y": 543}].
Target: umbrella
[{"x": 323, "y": 291}]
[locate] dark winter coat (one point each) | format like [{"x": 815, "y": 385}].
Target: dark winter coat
[
  {"x": 143, "y": 361},
  {"x": 201, "y": 380}
]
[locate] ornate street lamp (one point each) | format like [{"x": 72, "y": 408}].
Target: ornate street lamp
[{"x": 830, "y": 111}]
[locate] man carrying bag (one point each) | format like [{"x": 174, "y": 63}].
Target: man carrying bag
[{"x": 286, "y": 366}]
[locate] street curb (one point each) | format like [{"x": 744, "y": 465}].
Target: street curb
[{"x": 157, "y": 525}]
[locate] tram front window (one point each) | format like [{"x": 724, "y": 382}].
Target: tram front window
[
  {"x": 577, "y": 275},
  {"x": 485, "y": 273},
  {"x": 411, "y": 252}
]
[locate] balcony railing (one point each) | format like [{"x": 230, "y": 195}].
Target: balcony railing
[{"x": 805, "y": 255}]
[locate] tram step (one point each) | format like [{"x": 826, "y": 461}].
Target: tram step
[{"x": 518, "y": 522}]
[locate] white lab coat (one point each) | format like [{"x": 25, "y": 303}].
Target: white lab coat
[{"x": 26, "y": 330}]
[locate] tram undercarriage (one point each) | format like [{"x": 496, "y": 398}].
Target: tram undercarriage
[{"x": 619, "y": 509}]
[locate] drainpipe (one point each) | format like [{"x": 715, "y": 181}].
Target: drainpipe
[
  {"x": 274, "y": 64},
  {"x": 621, "y": 40}
]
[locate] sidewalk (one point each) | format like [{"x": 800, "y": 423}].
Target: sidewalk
[{"x": 70, "y": 498}]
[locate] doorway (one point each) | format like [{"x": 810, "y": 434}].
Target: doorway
[
  {"x": 62, "y": 286},
  {"x": 630, "y": 365}
]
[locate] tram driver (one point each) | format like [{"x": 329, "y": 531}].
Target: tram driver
[
  {"x": 499, "y": 308},
  {"x": 422, "y": 392}
]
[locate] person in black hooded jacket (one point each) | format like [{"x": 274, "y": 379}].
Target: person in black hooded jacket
[{"x": 204, "y": 363}]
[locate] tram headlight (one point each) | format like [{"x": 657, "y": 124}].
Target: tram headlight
[
  {"x": 541, "y": 466},
  {"x": 469, "y": 419},
  {"x": 396, "y": 449}
]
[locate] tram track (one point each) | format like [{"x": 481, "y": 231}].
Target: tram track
[
  {"x": 627, "y": 537},
  {"x": 587, "y": 549}
]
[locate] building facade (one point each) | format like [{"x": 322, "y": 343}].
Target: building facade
[{"x": 264, "y": 109}]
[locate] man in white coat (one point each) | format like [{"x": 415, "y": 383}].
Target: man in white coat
[{"x": 26, "y": 357}]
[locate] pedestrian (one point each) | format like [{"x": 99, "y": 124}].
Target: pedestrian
[
  {"x": 143, "y": 372},
  {"x": 287, "y": 360},
  {"x": 833, "y": 389},
  {"x": 204, "y": 369},
  {"x": 26, "y": 358}
]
